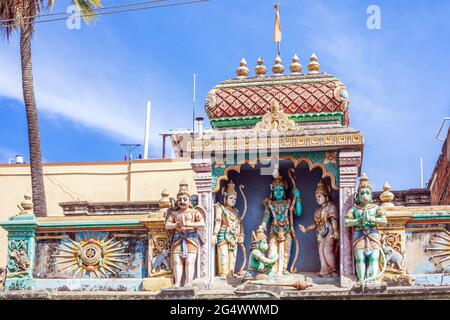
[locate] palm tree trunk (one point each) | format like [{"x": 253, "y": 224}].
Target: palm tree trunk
[{"x": 34, "y": 140}]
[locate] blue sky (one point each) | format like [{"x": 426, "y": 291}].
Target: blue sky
[{"x": 92, "y": 84}]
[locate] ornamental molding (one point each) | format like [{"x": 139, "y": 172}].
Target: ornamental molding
[
  {"x": 255, "y": 143},
  {"x": 276, "y": 120}
]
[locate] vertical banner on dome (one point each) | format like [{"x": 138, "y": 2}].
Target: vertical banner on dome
[{"x": 277, "y": 31}]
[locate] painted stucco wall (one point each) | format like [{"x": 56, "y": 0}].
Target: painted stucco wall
[{"x": 141, "y": 180}]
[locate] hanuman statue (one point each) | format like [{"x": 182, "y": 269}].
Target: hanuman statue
[
  {"x": 327, "y": 229},
  {"x": 260, "y": 266},
  {"x": 365, "y": 217},
  {"x": 184, "y": 222},
  {"x": 227, "y": 232},
  {"x": 281, "y": 210}
]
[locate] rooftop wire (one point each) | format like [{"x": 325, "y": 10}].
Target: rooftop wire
[{"x": 107, "y": 12}]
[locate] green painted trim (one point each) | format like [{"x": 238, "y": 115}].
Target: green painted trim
[
  {"x": 89, "y": 224},
  {"x": 248, "y": 121},
  {"x": 431, "y": 216}
]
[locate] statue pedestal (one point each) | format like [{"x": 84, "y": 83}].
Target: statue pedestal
[
  {"x": 377, "y": 287},
  {"x": 177, "y": 293},
  {"x": 156, "y": 284}
]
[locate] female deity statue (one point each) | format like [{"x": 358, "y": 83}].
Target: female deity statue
[
  {"x": 184, "y": 222},
  {"x": 327, "y": 229},
  {"x": 281, "y": 210},
  {"x": 365, "y": 217},
  {"x": 227, "y": 232}
]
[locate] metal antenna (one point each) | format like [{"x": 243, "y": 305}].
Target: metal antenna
[
  {"x": 193, "y": 109},
  {"x": 421, "y": 172},
  {"x": 130, "y": 148}
]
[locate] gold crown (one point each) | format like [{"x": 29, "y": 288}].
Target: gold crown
[
  {"x": 323, "y": 189},
  {"x": 184, "y": 190},
  {"x": 230, "y": 189},
  {"x": 364, "y": 182},
  {"x": 279, "y": 181},
  {"x": 259, "y": 235}
]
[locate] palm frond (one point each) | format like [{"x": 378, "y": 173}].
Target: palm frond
[{"x": 87, "y": 9}]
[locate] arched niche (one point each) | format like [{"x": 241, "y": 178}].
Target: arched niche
[{"x": 257, "y": 188}]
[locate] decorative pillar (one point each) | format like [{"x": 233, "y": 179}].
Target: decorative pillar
[
  {"x": 21, "y": 248},
  {"x": 158, "y": 276},
  {"x": 203, "y": 182},
  {"x": 393, "y": 237},
  {"x": 349, "y": 162}
]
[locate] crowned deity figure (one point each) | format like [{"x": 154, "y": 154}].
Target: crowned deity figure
[
  {"x": 280, "y": 211},
  {"x": 227, "y": 232},
  {"x": 365, "y": 217},
  {"x": 183, "y": 222},
  {"x": 327, "y": 230}
]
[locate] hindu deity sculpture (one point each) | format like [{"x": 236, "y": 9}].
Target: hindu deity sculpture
[
  {"x": 184, "y": 222},
  {"x": 327, "y": 230},
  {"x": 227, "y": 232},
  {"x": 365, "y": 217},
  {"x": 280, "y": 211},
  {"x": 260, "y": 266}
]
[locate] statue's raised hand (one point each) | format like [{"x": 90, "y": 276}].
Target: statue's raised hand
[{"x": 302, "y": 228}]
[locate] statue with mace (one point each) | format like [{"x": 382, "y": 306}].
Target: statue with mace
[
  {"x": 365, "y": 217},
  {"x": 228, "y": 231},
  {"x": 184, "y": 223},
  {"x": 280, "y": 211},
  {"x": 327, "y": 229}
]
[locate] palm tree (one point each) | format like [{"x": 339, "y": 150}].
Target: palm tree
[{"x": 20, "y": 15}]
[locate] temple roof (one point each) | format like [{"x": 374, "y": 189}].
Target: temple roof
[{"x": 311, "y": 97}]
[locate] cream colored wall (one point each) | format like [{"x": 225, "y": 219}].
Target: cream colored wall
[{"x": 141, "y": 180}]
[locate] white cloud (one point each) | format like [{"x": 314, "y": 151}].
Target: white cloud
[
  {"x": 385, "y": 96},
  {"x": 94, "y": 93}
]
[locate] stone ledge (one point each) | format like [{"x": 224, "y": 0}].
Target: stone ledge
[{"x": 329, "y": 293}]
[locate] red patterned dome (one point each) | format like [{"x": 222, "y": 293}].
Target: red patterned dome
[{"x": 304, "y": 97}]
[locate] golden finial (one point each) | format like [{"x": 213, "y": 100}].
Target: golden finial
[
  {"x": 296, "y": 67},
  {"x": 165, "y": 201},
  {"x": 387, "y": 196},
  {"x": 26, "y": 206},
  {"x": 242, "y": 71},
  {"x": 313, "y": 65},
  {"x": 260, "y": 69},
  {"x": 277, "y": 68}
]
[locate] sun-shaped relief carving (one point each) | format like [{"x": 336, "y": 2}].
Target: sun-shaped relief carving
[{"x": 95, "y": 254}]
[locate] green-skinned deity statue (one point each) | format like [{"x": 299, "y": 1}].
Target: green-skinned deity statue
[
  {"x": 365, "y": 217},
  {"x": 227, "y": 232},
  {"x": 279, "y": 213},
  {"x": 260, "y": 266}
]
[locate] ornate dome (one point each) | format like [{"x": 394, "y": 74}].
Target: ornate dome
[{"x": 313, "y": 97}]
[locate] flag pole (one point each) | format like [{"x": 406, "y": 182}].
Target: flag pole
[{"x": 277, "y": 29}]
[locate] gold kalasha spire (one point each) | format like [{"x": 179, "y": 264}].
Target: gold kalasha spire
[
  {"x": 277, "y": 68},
  {"x": 242, "y": 71},
  {"x": 260, "y": 69},
  {"x": 313, "y": 65},
  {"x": 296, "y": 67}
]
